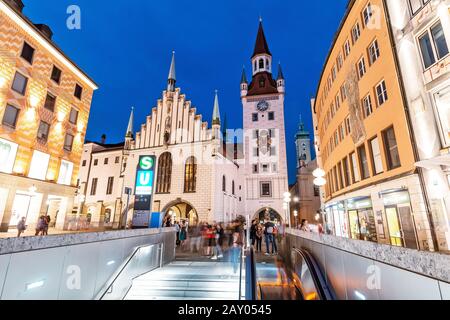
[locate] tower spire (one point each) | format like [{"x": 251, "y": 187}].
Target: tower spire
[
  {"x": 130, "y": 133},
  {"x": 261, "y": 46},
  {"x": 172, "y": 79},
  {"x": 280, "y": 72},
  {"x": 244, "y": 76},
  {"x": 216, "y": 112}
]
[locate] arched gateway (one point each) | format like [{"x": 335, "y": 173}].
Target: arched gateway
[
  {"x": 180, "y": 210},
  {"x": 268, "y": 214}
]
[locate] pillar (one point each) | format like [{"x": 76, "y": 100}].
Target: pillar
[{"x": 8, "y": 210}]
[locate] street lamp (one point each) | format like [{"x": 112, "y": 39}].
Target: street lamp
[
  {"x": 296, "y": 215},
  {"x": 320, "y": 182},
  {"x": 286, "y": 206}
]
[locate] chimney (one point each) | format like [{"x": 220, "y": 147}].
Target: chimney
[
  {"x": 45, "y": 29},
  {"x": 103, "y": 138},
  {"x": 16, "y": 4}
]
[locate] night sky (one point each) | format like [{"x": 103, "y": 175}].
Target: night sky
[{"x": 125, "y": 46}]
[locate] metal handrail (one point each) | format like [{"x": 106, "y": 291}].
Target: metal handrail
[
  {"x": 324, "y": 290},
  {"x": 108, "y": 285},
  {"x": 251, "y": 283}
]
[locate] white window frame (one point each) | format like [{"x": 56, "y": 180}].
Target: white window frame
[
  {"x": 374, "y": 52},
  {"x": 367, "y": 106},
  {"x": 362, "y": 70},
  {"x": 384, "y": 95}
]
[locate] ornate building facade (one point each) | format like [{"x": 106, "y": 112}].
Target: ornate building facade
[{"x": 45, "y": 101}]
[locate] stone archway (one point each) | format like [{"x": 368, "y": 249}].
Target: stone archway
[
  {"x": 180, "y": 210},
  {"x": 268, "y": 213}
]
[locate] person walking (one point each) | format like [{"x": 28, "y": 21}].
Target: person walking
[
  {"x": 21, "y": 227},
  {"x": 259, "y": 236},
  {"x": 178, "y": 229},
  {"x": 220, "y": 233},
  {"x": 253, "y": 232},
  {"x": 183, "y": 235},
  {"x": 238, "y": 242},
  {"x": 47, "y": 220},
  {"x": 39, "y": 226},
  {"x": 268, "y": 232}
]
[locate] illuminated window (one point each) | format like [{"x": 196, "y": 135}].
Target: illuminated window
[
  {"x": 43, "y": 131},
  {"x": 164, "y": 176},
  {"x": 377, "y": 162},
  {"x": 68, "y": 142},
  {"x": 190, "y": 175},
  {"x": 39, "y": 165},
  {"x": 8, "y": 151},
  {"x": 73, "y": 117},
  {"x": 65, "y": 173}
]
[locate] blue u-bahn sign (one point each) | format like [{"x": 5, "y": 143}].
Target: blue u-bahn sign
[{"x": 145, "y": 178}]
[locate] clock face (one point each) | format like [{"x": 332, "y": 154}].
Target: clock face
[{"x": 263, "y": 106}]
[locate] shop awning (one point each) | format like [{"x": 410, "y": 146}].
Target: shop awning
[{"x": 434, "y": 163}]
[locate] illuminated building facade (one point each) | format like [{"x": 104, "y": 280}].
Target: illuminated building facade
[{"x": 44, "y": 108}]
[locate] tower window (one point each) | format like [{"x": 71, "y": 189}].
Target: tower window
[
  {"x": 271, "y": 116},
  {"x": 262, "y": 82},
  {"x": 255, "y": 117},
  {"x": 261, "y": 64}
]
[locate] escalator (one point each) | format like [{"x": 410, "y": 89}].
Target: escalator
[{"x": 297, "y": 277}]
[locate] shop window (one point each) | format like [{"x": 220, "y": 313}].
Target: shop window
[
  {"x": 8, "y": 152},
  {"x": 39, "y": 165},
  {"x": 65, "y": 173}
]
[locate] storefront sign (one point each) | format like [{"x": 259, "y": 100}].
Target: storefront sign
[
  {"x": 364, "y": 203},
  {"x": 396, "y": 198}
]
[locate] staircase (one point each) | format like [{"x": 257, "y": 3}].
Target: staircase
[{"x": 188, "y": 280}]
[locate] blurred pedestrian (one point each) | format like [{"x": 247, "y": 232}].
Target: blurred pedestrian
[
  {"x": 183, "y": 235},
  {"x": 40, "y": 226},
  {"x": 21, "y": 227},
  {"x": 259, "y": 237}
]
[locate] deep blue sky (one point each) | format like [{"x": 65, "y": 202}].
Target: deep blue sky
[{"x": 125, "y": 46}]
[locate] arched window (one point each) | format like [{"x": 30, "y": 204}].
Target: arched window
[
  {"x": 190, "y": 175},
  {"x": 164, "y": 173},
  {"x": 224, "y": 184},
  {"x": 232, "y": 188},
  {"x": 256, "y": 65},
  {"x": 261, "y": 64}
]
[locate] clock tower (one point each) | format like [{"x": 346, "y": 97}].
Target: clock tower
[{"x": 266, "y": 173}]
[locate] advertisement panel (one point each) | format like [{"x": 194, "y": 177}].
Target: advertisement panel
[{"x": 145, "y": 174}]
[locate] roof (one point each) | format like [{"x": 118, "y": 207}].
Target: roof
[
  {"x": 269, "y": 85},
  {"x": 261, "y": 46}
]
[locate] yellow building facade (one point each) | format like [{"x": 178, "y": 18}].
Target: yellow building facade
[
  {"x": 45, "y": 101},
  {"x": 363, "y": 137}
]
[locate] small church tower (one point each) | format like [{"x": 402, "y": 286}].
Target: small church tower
[
  {"x": 303, "y": 145},
  {"x": 129, "y": 136}
]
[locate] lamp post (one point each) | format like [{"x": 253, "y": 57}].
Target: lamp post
[
  {"x": 286, "y": 206},
  {"x": 320, "y": 181},
  {"x": 296, "y": 221}
]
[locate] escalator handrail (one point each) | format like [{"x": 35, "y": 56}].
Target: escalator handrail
[
  {"x": 320, "y": 282},
  {"x": 104, "y": 290},
  {"x": 251, "y": 284}
]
